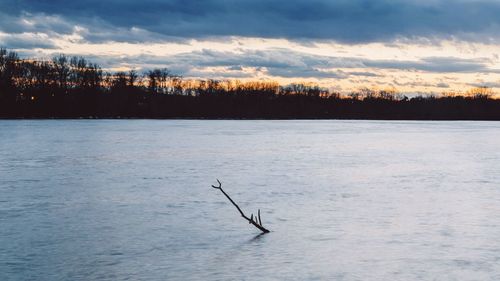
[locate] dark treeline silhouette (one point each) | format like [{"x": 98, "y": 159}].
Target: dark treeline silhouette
[{"x": 73, "y": 87}]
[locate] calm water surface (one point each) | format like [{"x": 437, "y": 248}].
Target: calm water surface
[{"x": 346, "y": 200}]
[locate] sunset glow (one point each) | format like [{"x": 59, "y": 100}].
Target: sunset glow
[{"x": 418, "y": 57}]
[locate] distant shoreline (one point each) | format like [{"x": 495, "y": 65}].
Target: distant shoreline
[
  {"x": 251, "y": 107},
  {"x": 74, "y": 88},
  {"x": 238, "y": 119}
]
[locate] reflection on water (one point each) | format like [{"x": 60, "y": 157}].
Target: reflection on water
[{"x": 345, "y": 200}]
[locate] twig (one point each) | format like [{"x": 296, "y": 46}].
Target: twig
[{"x": 257, "y": 223}]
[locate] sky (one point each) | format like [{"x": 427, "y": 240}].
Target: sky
[{"x": 413, "y": 46}]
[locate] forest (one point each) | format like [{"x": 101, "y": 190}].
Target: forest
[{"x": 73, "y": 87}]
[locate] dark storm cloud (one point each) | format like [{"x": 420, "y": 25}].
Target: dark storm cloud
[
  {"x": 22, "y": 22},
  {"x": 351, "y": 21}
]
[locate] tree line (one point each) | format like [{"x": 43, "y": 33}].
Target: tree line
[{"x": 73, "y": 87}]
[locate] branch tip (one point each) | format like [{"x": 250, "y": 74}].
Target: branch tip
[
  {"x": 257, "y": 222},
  {"x": 217, "y": 187}
]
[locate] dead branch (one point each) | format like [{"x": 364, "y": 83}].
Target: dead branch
[{"x": 257, "y": 222}]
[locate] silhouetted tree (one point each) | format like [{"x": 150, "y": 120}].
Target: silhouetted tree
[{"x": 74, "y": 87}]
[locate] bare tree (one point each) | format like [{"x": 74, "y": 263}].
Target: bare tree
[
  {"x": 62, "y": 70},
  {"x": 158, "y": 80},
  {"x": 256, "y": 221},
  {"x": 132, "y": 78}
]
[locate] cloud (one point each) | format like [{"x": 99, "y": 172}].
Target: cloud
[
  {"x": 286, "y": 63},
  {"x": 364, "y": 73},
  {"x": 483, "y": 84},
  {"x": 347, "y": 21},
  {"x": 434, "y": 64},
  {"x": 26, "y": 41},
  {"x": 23, "y": 22},
  {"x": 442, "y": 85}
]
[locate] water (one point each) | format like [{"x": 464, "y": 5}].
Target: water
[{"x": 345, "y": 200}]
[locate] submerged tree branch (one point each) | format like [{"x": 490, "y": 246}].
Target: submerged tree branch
[{"x": 257, "y": 222}]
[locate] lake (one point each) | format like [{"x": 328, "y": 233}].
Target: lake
[{"x": 345, "y": 200}]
